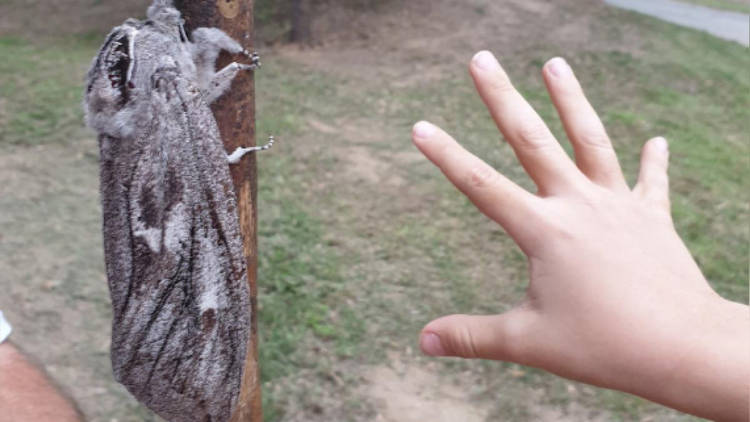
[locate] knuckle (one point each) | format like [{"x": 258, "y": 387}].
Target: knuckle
[
  {"x": 533, "y": 136},
  {"x": 463, "y": 340},
  {"x": 481, "y": 176},
  {"x": 594, "y": 138}
]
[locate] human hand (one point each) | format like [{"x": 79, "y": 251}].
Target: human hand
[{"x": 615, "y": 298}]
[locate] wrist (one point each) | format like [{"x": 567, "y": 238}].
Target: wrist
[{"x": 710, "y": 371}]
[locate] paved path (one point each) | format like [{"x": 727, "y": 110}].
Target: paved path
[{"x": 728, "y": 25}]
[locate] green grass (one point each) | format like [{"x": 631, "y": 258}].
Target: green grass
[
  {"x": 741, "y": 6},
  {"x": 41, "y": 89},
  {"x": 303, "y": 292},
  {"x": 301, "y": 287}
]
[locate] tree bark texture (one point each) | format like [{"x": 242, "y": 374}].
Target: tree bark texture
[{"x": 235, "y": 115}]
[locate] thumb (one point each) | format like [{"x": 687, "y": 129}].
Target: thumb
[{"x": 497, "y": 337}]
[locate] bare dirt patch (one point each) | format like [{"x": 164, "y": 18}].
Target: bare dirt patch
[
  {"x": 364, "y": 166},
  {"x": 361, "y": 163},
  {"x": 420, "y": 41},
  {"x": 410, "y": 393}
]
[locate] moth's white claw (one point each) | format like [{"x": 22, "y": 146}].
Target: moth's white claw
[
  {"x": 254, "y": 58},
  {"x": 240, "y": 152}
]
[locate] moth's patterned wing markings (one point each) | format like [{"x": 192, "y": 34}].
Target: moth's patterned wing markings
[
  {"x": 220, "y": 203},
  {"x": 174, "y": 256},
  {"x": 156, "y": 274},
  {"x": 169, "y": 331}
]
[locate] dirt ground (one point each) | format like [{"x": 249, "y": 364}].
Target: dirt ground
[{"x": 50, "y": 240}]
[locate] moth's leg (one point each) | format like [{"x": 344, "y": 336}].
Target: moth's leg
[
  {"x": 235, "y": 157},
  {"x": 222, "y": 80},
  {"x": 209, "y": 42},
  {"x": 215, "y": 39}
]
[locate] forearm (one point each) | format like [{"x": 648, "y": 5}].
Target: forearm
[
  {"x": 27, "y": 394},
  {"x": 711, "y": 377}
]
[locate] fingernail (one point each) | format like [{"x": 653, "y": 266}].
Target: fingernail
[
  {"x": 431, "y": 345},
  {"x": 661, "y": 144},
  {"x": 559, "y": 67},
  {"x": 423, "y": 130},
  {"x": 485, "y": 60}
]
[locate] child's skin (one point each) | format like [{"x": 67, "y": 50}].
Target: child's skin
[
  {"x": 615, "y": 298},
  {"x": 27, "y": 393}
]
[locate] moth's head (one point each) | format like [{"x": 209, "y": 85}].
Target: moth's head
[
  {"x": 163, "y": 11},
  {"x": 109, "y": 83}
]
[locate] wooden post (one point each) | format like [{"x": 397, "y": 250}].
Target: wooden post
[{"x": 235, "y": 114}]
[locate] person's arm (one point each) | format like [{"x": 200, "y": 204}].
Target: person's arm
[
  {"x": 27, "y": 394},
  {"x": 615, "y": 298}
]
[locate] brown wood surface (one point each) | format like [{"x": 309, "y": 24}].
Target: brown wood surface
[{"x": 235, "y": 114}]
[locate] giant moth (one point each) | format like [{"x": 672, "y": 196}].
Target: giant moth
[{"x": 172, "y": 243}]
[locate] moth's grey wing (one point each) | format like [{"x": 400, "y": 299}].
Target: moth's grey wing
[{"x": 174, "y": 259}]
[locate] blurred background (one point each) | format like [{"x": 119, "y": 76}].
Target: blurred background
[{"x": 361, "y": 240}]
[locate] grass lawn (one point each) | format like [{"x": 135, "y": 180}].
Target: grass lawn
[
  {"x": 741, "y": 6},
  {"x": 362, "y": 241}
]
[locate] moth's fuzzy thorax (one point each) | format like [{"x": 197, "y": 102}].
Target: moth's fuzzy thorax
[{"x": 163, "y": 11}]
